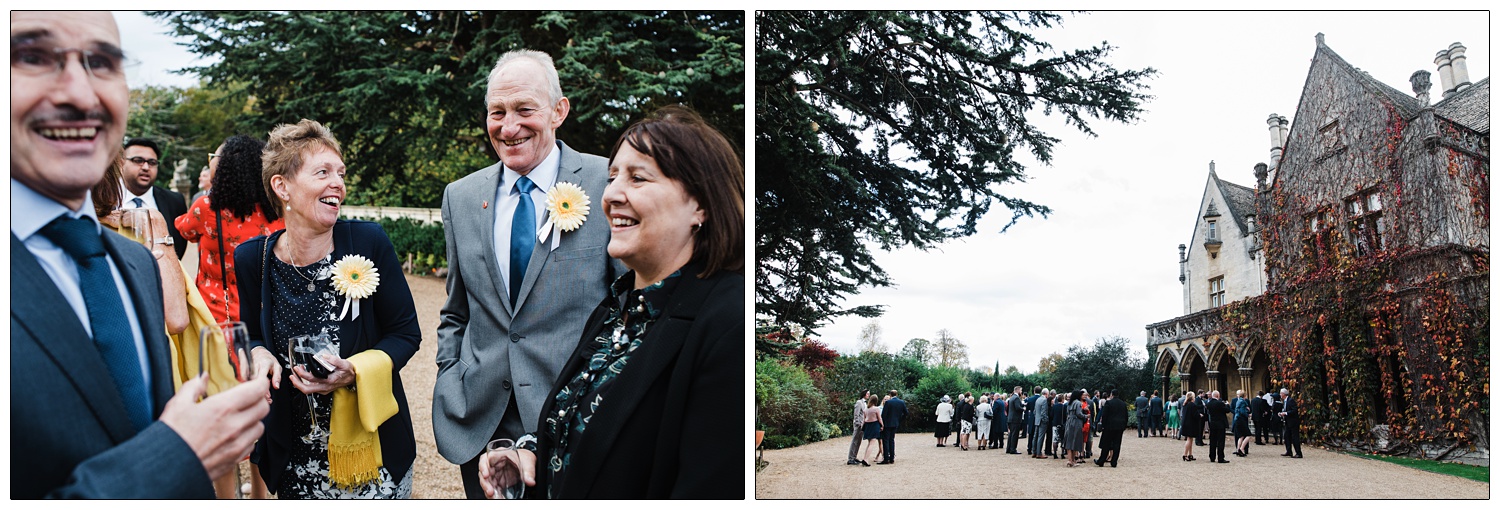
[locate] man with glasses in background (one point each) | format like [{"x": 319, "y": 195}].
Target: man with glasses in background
[{"x": 137, "y": 180}]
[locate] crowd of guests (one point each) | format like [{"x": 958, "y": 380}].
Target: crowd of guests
[
  {"x": 586, "y": 335},
  {"x": 1059, "y": 425}
]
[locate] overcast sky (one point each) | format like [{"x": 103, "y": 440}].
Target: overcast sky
[
  {"x": 153, "y": 54},
  {"x": 1105, "y": 263}
]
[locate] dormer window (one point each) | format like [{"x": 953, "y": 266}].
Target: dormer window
[{"x": 1213, "y": 230}]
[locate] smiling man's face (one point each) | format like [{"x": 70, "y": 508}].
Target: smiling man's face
[{"x": 65, "y": 126}]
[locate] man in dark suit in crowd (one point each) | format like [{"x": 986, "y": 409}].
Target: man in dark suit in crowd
[
  {"x": 1031, "y": 418},
  {"x": 997, "y": 422},
  {"x": 1157, "y": 410},
  {"x": 1204, "y": 396},
  {"x": 1059, "y": 423},
  {"x": 894, "y": 412},
  {"x": 1218, "y": 420},
  {"x": 1142, "y": 405},
  {"x": 1016, "y": 418},
  {"x": 137, "y": 178},
  {"x": 1115, "y": 418},
  {"x": 93, "y": 412},
  {"x": 1291, "y": 421},
  {"x": 1260, "y": 414}
]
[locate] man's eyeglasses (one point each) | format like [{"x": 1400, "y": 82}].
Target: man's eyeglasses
[
  {"x": 42, "y": 61},
  {"x": 143, "y": 161}
]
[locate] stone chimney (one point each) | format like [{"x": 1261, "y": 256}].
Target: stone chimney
[
  {"x": 1278, "y": 137},
  {"x": 1261, "y": 172},
  {"x": 1421, "y": 85},
  {"x": 1182, "y": 264},
  {"x": 1445, "y": 72},
  {"x": 1459, "y": 63}
]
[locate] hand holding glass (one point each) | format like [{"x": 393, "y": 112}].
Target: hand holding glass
[
  {"x": 139, "y": 221},
  {"x": 504, "y": 466},
  {"x": 236, "y": 341}
]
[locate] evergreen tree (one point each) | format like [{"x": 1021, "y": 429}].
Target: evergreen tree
[{"x": 893, "y": 129}]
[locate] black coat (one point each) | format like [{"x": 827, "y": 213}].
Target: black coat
[
  {"x": 1192, "y": 419},
  {"x": 1259, "y": 409},
  {"x": 1156, "y": 406},
  {"x": 1218, "y": 413},
  {"x": 1115, "y": 414},
  {"x": 964, "y": 411},
  {"x": 387, "y": 321},
  {"x": 660, "y": 434}
]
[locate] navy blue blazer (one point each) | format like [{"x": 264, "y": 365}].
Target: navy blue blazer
[
  {"x": 387, "y": 321},
  {"x": 895, "y": 411},
  {"x": 660, "y": 433},
  {"x": 70, "y": 436}
]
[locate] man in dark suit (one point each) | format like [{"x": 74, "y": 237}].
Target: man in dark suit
[
  {"x": 1291, "y": 422},
  {"x": 1157, "y": 410},
  {"x": 1260, "y": 414},
  {"x": 997, "y": 422},
  {"x": 93, "y": 413},
  {"x": 1031, "y": 417},
  {"x": 137, "y": 175},
  {"x": 1218, "y": 420},
  {"x": 1115, "y": 418},
  {"x": 894, "y": 412},
  {"x": 1016, "y": 418},
  {"x": 1142, "y": 404}
]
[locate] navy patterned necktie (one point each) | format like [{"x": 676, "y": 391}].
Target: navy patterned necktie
[
  {"x": 138, "y": 202},
  {"x": 522, "y": 236},
  {"x": 80, "y": 239}
]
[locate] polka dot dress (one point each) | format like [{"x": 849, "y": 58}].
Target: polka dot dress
[{"x": 304, "y": 304}]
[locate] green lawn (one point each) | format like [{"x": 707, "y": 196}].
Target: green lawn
[{"x": 1476, "y": 473}]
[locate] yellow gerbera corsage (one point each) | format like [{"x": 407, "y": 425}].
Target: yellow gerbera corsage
[
  {"x": 567, "y": 208},
  {"x": 356, "y": 278}
]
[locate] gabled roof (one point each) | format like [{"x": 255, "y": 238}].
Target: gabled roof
[
  {"x": 1405, "y": 104},
  {"x": 1241, "y": 202},
  {"x": 1469, "y": 108}
]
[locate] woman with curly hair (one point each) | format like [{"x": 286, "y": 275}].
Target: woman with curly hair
[{"x": 235, "y": 206}]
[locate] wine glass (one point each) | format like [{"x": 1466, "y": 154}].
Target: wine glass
[
  {"x": 235, "y": 339},
  {"x": 139, "y": 221},
  {"x": 304, "y": 349},
  {"x": 505, "y": 474}
]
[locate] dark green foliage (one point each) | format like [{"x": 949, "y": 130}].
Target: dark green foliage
[
  {"x": 410, "y": 236},
  {"x": 924, "y": 399},
  {"x": 1012, "y": 378},
  {"x": 1107, "y": 365},
  {"x": 894, "y": 129},
  {"x": 403, "y": 90},
  {"x": 774, "y": 342},
  {"x": 787, "y": 403},
  {"x": 878, "y": 372},
  {"x": 777, "y": 442}
]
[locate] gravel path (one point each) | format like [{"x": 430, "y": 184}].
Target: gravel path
[{"x": 1147, "y": 468}]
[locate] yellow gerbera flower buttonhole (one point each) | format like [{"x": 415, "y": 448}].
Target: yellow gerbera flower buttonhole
[
  {"x": 568, "y": 205},
  {"x": 355, "y": 276}
]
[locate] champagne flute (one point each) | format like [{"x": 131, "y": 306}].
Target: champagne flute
[
  {"x": 305, "y": 348},
  {"x": 505, "y": 475},
  {"x": 235, "y": 339},
  {"x": 139, "y": 221}
]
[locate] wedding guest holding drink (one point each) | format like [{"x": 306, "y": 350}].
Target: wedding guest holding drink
[
  {"x": 627, "y": 418},
  {"x": 93, "y": 411},
  {"x": 233, "y": 209},
  {"x": 324, "y": 277}
]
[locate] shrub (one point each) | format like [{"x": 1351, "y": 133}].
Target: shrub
[
  {"x": 424, "y": 241},
  {"x": 777, "y": 442},
  {"x": 786, "y": 401}
]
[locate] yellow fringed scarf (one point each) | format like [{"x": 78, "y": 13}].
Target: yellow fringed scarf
[{"x": 353, "y": 443}]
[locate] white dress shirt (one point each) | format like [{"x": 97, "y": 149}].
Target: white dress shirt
[
  {"x": 544, "y": 175},
  {"x": 29, "y": 213},
  {"x": 127, "y": 198}
]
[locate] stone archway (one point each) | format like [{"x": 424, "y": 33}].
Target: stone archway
[
  {"x": 1167, "y": 363},
  {"x": 1194, "y": 368}
]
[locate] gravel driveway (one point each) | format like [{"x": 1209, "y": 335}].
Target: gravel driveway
[{"x": 1150, "y": 468}]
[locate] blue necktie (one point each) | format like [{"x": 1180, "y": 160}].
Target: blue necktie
[
  {"x": 138, "y": 203},
  {"x": 522, "y": 236},
  {"x": 80, "y": 239}
]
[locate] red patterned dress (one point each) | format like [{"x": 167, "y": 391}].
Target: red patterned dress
[{"x": 200, "y": 226}]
